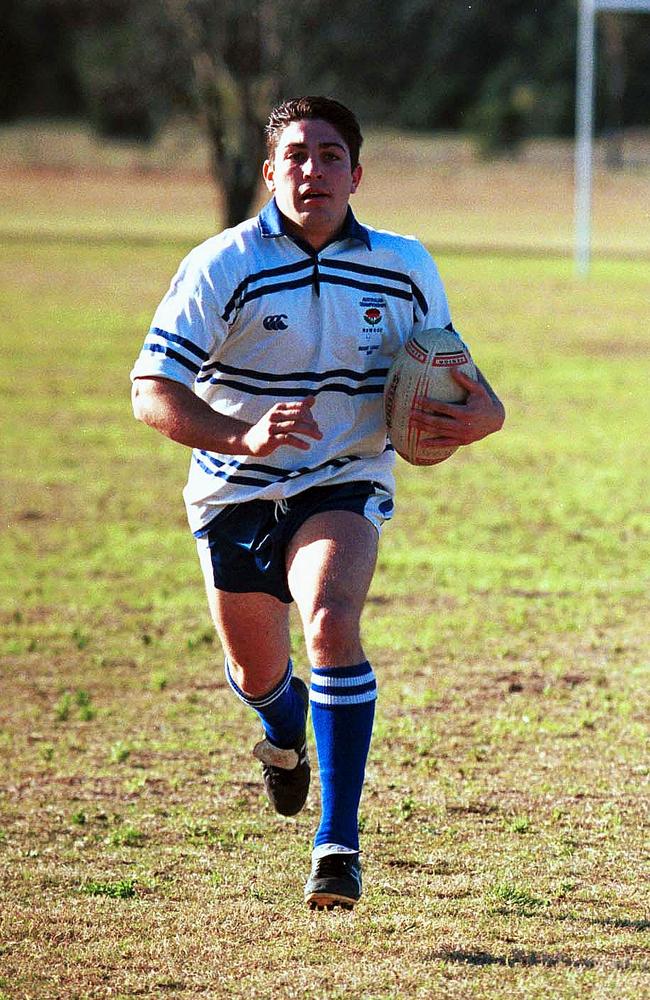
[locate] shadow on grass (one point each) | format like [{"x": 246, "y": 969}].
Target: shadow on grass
[
  {"x": 623, "y": 923},
  {"x": 529, "y": 958}
]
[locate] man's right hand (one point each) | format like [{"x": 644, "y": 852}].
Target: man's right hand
[
  {"x": 280, "y": 426},
  {"x": 177, "y": 412}
]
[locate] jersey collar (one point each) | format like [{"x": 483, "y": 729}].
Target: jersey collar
[{"x": 271, "y": 223}]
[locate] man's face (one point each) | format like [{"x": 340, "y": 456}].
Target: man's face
[{"x": 312, "y": 179}]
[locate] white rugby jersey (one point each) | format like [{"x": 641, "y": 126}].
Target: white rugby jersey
[{"x": 253, "y": 317}]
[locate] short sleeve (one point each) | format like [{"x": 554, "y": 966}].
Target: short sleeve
[
  {"x": 430, "y": 306},
  {"x": 187, "y": 328}
]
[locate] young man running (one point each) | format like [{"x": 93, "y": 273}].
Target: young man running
[{"x": 268, "y": 357}]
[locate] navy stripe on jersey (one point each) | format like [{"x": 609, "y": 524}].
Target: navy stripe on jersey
[
  {"x": 174, "y": 338},
  {"x": 268, "y": 470},
  {"x": 298, "y": 391},
  {"x": 292, "y": 376},
  {"x": 231, "y": 478},
  {"x": 247, "y": 480},
  {"x": 279, "y": 286},
  {"x": 269, "y": 272},
  {"x": 379, "y": 272},
  {"x": 153, "y": 346},
  {"x": 316, "y": 277},
  {"x": 235, "y": 473},
  {"x": 174, "y": 355},
  {"x": 366, "y": 286},
  {"x": 275, "y": 471}
]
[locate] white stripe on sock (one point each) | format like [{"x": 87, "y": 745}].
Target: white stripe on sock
[
  {"x": 334, "y": 681},
  {"x": 321, "y": 698},
  {"x": 266, "y": 699}
]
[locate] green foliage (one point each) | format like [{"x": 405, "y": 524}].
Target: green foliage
[
  {"x": 80, "y": 638},
  {"x": 36, "y": 69},
  {"x": 120, "y": 889},
  {"x": 130, "y": 68},
  {"x": 127, "y": 836},
  {"x": 158, "y": 680},
  {"x": 520, "y": 824},
  {"x": 62, "y": 709},
  {"x": 80, "y": 703},
  {"x": 504, "y": 71},
  {"x": 119, "y": 753},
  {"x": 512, "y": 898},
  {"x": 85, "y": 709}
]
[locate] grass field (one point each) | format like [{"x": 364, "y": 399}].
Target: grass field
[
  {"x": 507, "y": 789},
  {"x": 521, "y": 205}
]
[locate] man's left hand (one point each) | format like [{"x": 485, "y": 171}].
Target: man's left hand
[{"x": 453, "y": 424}]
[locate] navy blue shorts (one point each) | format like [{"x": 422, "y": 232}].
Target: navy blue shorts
[{"x": 244, "y": 547}]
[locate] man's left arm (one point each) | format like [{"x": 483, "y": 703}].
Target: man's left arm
[{"x": 482, "y": 413}]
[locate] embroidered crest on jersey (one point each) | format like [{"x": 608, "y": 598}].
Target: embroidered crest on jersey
[
  {"x": 372, "y": 318},
  {"x": 373, "y": 314},
  {"x": 373, "y": 306},
  {"x": 379, "y": 301}
]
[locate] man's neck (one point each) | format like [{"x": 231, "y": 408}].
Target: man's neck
[
  {"x": 314, "y": 239},
  {"x": 316, "y": 242}
]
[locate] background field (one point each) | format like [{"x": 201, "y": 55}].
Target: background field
[{"x": 507, "y": 786}]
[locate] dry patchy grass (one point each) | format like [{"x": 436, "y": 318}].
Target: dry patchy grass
[{"x": 507, "y": 784}]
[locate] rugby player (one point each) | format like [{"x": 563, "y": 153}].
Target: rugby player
[{"x": 268, "y": 356}]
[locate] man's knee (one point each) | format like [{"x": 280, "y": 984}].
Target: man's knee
[
  {"x": 256, "y": 679},
  {"x": 332, "y": 632}
]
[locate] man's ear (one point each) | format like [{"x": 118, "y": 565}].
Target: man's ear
[
  {"x": 268, "y": 175},
  {"x": 357, "y": 174}
]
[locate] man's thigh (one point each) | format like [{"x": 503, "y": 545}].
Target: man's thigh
[
  {"x": 330, "y": 563},
  {"x": 331, "y": 556},
  {"x": 254, "y": 631}
]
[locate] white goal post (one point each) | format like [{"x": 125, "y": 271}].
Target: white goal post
[{"x": 586, "y": 65}]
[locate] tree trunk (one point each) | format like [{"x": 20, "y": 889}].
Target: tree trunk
[
  {"x": 615, "y": 75},
  {"x": 234, "y": 54}
]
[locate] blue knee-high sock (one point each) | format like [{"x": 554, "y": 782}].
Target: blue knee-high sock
[
  {"x": 342, "y": 711},
  {"x": 281, "y": 710}
]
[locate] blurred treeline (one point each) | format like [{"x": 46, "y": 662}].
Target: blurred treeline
[{"x": 503, "y": 70}]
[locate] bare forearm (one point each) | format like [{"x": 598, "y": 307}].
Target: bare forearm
[
  {"x": 175, "y": 411},
  {"x": 179, "y": 414}
]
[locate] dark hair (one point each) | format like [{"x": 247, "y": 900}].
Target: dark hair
[{"x": 302, "y": 108}]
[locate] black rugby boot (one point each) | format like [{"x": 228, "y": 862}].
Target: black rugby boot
[
  {"x": 287, "y": 772},
  {"x": 335, "y": 880}
]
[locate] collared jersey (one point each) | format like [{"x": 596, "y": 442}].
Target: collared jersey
[{"x": 254, "y": 317}]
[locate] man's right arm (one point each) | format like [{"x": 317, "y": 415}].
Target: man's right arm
[{"x": 177, "y": 412}]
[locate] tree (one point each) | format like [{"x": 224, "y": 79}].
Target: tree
[
  {"x": 613, "y": 33},
  {"x": 502, "y": 71},
  {"x": 131, "y": 70},
  {"x": 234, "y": 50},
  {"x": 37, "y": 75}
]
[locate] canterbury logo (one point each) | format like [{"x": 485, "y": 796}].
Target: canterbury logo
[{"x": 275, "y": 322}]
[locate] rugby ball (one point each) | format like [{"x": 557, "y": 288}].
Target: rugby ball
[{"x": 422, "y": 367}]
